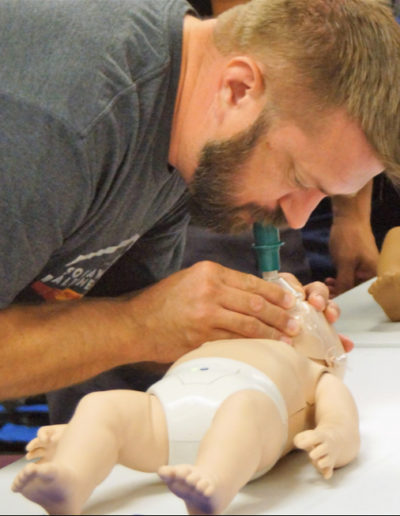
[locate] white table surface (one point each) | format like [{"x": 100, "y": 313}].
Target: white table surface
[{"x": 370, "y": 485}]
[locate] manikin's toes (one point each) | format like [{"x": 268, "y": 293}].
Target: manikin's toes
[
  {"x": 197, "y": 490},
  {"x": 45, "y": 444},
  {"x": 50, "y": 486}
]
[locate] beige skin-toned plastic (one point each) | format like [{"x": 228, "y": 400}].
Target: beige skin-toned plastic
[
  {"x": 129, "y": 428},
  {"x": 386, "y": 288}
]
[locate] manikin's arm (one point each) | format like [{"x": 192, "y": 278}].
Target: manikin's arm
[
  {"x": 352, "y": 244},
  {"x": 335, "y": 441}
]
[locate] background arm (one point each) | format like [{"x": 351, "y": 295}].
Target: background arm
[
  {"x": 218, "y": 6},
  {"x": 352, "y": 244}
]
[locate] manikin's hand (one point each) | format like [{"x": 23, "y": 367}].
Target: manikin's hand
[
  {"x": 208, "y": 302},
  {"x": 317, "y": 294},
  {"x": 354, "y": 253},
  {"x": 321, "y": 447}
]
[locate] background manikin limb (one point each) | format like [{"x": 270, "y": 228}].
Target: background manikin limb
[
  {"x": 103, "y": 432},
  {"x": 389, "y": 257},
  {"x": 386, "y": 288}
]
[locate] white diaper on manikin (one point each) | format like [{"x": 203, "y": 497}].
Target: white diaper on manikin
[{"x": 192, "y": 392}]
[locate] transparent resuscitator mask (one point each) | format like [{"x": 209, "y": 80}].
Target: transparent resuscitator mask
[{"x": 317, "y": 339}]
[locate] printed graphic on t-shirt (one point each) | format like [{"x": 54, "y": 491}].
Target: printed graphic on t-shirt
[
  {"x": 54, "y": 294},
  {"x": 74, "y": 279}
]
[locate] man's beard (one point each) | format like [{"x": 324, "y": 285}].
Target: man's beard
[{"x": 212, "y": 188}]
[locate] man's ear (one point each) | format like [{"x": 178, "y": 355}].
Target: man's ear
[{"x": 242, "y": 81}]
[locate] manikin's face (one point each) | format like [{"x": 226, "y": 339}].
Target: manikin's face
[{"x": 278, "y": 174}]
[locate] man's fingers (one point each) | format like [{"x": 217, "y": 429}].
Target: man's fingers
[
  {"x": 272, "y": 292},
  {"x": 332, "y": 312},
  {"x": 345, "y": 279},
  {"x": 256, "y": 307},
  {"x": 348, "y": 345},
  {"x": 245, "y": 326},
  {"x": 317, "y": 294},
  {"x": 293, "y": 281}
]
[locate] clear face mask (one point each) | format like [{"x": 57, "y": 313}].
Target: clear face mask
[{"x": 317, "y": 339}]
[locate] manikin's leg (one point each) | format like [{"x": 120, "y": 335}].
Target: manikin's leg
[
  {"x": 125, "y": 427},
  {"x": 246, "y": 435},
  {"x": 336, "y": 440}
]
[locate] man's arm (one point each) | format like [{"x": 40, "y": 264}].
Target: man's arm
[
  {"x": 219, "y": 6},
  {"x": 53, "y": 345},
  {"x": 352, "y": 243}
]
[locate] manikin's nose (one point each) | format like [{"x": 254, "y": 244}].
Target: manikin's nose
[{"x": 298, "y": 206}]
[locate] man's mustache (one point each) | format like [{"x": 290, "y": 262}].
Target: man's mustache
[{"x": 234, "y": 220}]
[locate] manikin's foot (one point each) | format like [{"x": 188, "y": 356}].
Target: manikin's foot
[
  {"x": 54, "y": 488},
  {"x": 198, "y": 491},
  {"x": 44, "y": 445},
  {"x": 321, "y": 447}
]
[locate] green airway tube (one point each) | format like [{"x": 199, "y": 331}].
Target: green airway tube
[{"x": 267, "y": 245}]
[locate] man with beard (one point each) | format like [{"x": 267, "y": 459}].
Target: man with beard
[
  {"x": 111, "y": 111},
  {"x": 341, "y": 251}
]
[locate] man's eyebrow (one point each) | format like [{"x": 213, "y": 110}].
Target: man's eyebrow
[
  {"x": 317, "y": 186},
  {"x": 331, "y": 194},
  {"x": 298, "y": 177},
  {"x": 346, "y": 196},
  {"x": 325, "y": 192}
]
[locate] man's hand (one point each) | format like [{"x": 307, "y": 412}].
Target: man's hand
[
  {"x": 204, "y": 302},
  {"x": 317, "y": 294},
  {"x": 208, "y": 302}
]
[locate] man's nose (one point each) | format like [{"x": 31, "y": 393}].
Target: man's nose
[{"x": 298, "y": 206}]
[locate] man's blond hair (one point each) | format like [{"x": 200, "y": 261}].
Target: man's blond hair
[{"x": 337, "y": 53}]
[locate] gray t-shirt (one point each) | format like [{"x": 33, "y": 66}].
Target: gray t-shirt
[{"x": 87, "y": 93}]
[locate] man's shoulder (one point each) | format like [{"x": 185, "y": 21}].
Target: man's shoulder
[{"x": 75, "y": 59}]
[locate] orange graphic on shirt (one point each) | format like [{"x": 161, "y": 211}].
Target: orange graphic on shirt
[{"x": 54, "y": 294}]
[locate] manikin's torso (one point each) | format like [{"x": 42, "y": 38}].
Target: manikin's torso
[{"x": 295, "y": 376}]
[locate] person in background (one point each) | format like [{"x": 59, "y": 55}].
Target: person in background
[{"x": 396, "y": 8}]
